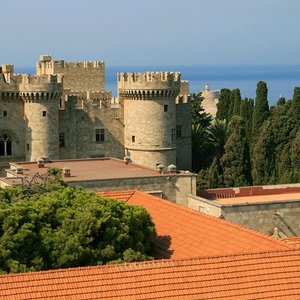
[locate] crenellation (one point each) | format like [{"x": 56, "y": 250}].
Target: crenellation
[
  {"x": 144, "y": 77},
  {"x": 42, "y": 79},
  {"x": 7, "y": 69},
  {"x": 64, "y": 111}
]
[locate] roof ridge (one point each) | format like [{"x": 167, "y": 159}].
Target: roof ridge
[
  {"x": 222, "y": 221},
  {"x": 155, "y": 262}
]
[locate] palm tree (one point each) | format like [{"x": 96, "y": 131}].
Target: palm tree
[{"x": 217, "y": 135}]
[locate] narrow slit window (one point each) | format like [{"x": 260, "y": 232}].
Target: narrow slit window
[
  {"x": 44, "y": 113},
  {"x": 133, "y": 139},
  {"x": 165, "y": 108}
]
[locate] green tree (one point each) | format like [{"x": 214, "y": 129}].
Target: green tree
[
  {"x": 217, "y": 135},
  {"x": 261, "y": 108},
  {"x": 235, "y": 102},
  {"x": 236, "y": 159},
  {"x": 295, "y": 105},
  {"x": 199, "y": 116},
  {"x": 200, "y": 121},
  {"x": 271, "y": 156},
  {"x": 223, "y": 105},
  {"x": 68, "y": 227},
  {"x": 246, "y": 112}
]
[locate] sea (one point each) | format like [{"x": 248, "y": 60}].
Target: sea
[{"x": 281, "y": 79}]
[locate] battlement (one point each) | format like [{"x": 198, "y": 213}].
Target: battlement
[
  {"x": 145, "y": 77},
  {"x": 149, "y": 81},
  {"x": 48, "y": 62},
  {"x": 41, "y": 79},
  {"x": 7, "y": 69},
  {"x": 41, "y": 88}
]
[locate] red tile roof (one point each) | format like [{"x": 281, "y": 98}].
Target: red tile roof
[
  {"x": 269, "y": 275},
  {"x": 295, "y": 241},
  {"x": 257, "y": 199},
  {"x": 185, "y": 233}
]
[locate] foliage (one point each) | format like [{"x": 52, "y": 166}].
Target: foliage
[
  {"x": 236, "y": 158},
  {"x": 199, "y": 116},
  {"x": 261, "y": 108},
  {"x": 200, "y": 122},
  {"x": 217, "y": 135},
  {"x": 235, "y": 102},
  {"x": 68, "y": 227},
  {"x": 224, "y": 105},
  {"x": 263, "y": 144}
]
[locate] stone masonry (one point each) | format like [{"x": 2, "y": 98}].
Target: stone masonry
[{"x": 64, "y": 112}]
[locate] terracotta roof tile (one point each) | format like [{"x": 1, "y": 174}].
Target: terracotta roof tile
[
  {"x": 185, "y": 233},
  {"x": 294, "y": 241},
  {"x": 265, "y": 275}
]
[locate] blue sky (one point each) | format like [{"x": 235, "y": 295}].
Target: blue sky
[{"x": 156, "y": 32}]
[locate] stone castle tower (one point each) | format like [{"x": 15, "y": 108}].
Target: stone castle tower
[
  {"x": 64, "y": 112},
  {"x": 41, "y": 96},
  {"x": 150, "y": 116}
]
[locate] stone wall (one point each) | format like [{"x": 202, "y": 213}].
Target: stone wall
[
  {"x": 78, "y": 125},
  {"x": 264, "y": 217},
  {"x": 203, "y": 205},
  {"x": 174, "y": 188},
  {"x": 78, "y": 76},
  {"x": 183, "y": 134},
  {"x": 12, "y": 125}
]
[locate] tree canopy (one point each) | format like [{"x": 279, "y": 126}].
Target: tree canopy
[
  {"x": 61, "y": 226},
  {"x": 262, "y": 146}
]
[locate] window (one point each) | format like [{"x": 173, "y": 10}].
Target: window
[
  {"x": 178, "y": 131},
  {"x": 133, "y": 139},
  {"x": 5, "y": 145},
  {"x": 61, "y": 140},
  {"x": 27, "y": 147},
  {"x": 4, "y": 113},
  {"x": 99, "y": 132},
  {"x": 172, "y": 134},
  {"x": 165, "y": 108},
  {"x": 44, "y": 113}
]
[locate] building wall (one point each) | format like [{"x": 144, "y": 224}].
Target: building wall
[
  {"x": 76, "y": 104},
  {"x": 78, "y": 76},
  {"x": 78, "y": 125},
  {"x": 12, "y": 125},
  {"x": 150, "y": 116},
  {"x": 173, "y": 188},
  {"x": 206, "y": 206},
  {"x": 184, "y": 141},
  {"x": 264, "y": 217},
  {"x": 210, "y": 101}
]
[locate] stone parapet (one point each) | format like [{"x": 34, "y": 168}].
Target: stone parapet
[{"x": 152, "y": 81}]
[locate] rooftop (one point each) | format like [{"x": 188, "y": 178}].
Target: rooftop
[
  {"x": 90, "y": 169},
  {"x": 267, "y": 275},
  {"x": 253, "y": 194},
  {"x": 257, "y": 199},
  {"x": 185, "y": 233}
]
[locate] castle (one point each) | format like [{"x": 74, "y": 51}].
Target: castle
[{"x": 64, "y": 112}]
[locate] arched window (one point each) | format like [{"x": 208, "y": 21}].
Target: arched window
[{"x": 5, "y": 145}]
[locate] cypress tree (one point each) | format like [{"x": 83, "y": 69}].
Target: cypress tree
[
  {"x": 223, "y": 105},
  {"x": 236, "y": 102},
  {"x": 246, "y": 112},
  {"x": 295, "y": 105},
  {"x": 261, "y": 108},
  {"x": 236, "y": 159}
]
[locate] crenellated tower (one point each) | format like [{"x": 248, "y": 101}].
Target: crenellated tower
[
  {"x": 150, "y": 116},
  {"x": 41, "y": 95}
]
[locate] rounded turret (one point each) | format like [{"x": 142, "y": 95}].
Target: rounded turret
[
  {"x": 150, "y": 116},
  {"x": 41, "y": 96}
]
